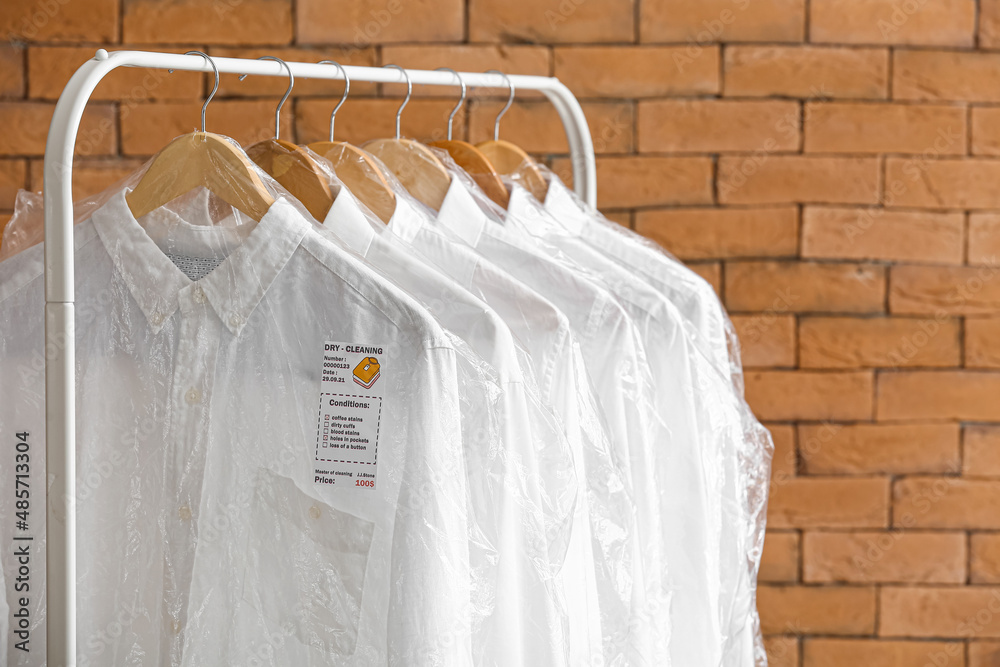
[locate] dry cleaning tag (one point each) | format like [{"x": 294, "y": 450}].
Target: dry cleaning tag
[{"x": 350, "y": 412}]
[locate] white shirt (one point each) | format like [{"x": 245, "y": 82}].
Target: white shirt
[
  {"x": 707, "y": 326},
  {"x": 522, "y": 478},
  {"x": 214, "y": 526},
  {"x": 616, "y": 365},
  {"x": 696, "y": 452},
  {"x": 597, "y": 574}
]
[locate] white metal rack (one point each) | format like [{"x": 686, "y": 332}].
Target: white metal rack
[{"x": 60, "y": 371}]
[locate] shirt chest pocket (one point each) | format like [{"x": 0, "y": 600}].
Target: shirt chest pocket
[{"x": 306, "y": 564}]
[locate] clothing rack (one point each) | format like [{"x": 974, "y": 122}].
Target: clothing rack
[{"x": 60, "y": 371}]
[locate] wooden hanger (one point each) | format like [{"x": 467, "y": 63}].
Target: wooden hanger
[
  {"x": 508, "y": 158},
  {"x": 470, "y": 158},
  {"x": 201, "y": 159},
  {"x": 355, "y": 167},
  {"x": 289, "y": 164},
  {"x": 420, "y": 171}
]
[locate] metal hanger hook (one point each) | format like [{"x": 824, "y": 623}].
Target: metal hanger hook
[
  {"x": 510, "y": 101},
  {"x": 291, "y": 84},
  {"x": 451, "y": 116},
  {"x": 409, "y": 92},
  {"x": 204, "y": 107},
  {"x": 347, "y": 90}
]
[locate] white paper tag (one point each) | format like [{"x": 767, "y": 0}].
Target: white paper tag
[{"x": 350, "y": 413}]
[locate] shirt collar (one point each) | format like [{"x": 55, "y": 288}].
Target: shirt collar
[
  {"x": 406, "y": 220},
  {"x": 460, "y": 214},
  {"x": 531, "y": 217},
  {"x": 234, "y": 288},
  {"x": 561, "y": 203},
  {"x": 349, "y": 223}
]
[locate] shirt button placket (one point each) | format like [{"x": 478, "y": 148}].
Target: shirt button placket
[{"x": 199, "y": 333}]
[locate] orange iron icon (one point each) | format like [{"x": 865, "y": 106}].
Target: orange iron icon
[{"x": 367, "y": 372}]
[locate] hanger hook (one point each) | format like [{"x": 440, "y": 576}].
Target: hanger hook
[
  {"x": 204, "y": 107},
  {"x": 451, "y": 116},
  {"x": 409, "y": 92},
  {"x": 291, "y": 84},
  {"x": 347, "y": 90},
  {"x": 510, "y": 101}
]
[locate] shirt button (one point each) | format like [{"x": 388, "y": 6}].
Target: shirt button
[
  {"x": 184, "y": 513},
  {"x": 235, "y": 320},
  {"x": 156, "y": 318},
  {"x": 314, "y": 512},
  {"x": 199, "y": 295},
  {"x": 175, "y": 626},
  {"x": 193, "y": 396}
]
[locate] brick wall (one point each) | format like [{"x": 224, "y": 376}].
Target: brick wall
[{"x": 831, "y": 166}]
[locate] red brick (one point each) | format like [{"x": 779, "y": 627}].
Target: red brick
[
  {"x": 790, "y": 395},
  {"x": 829, "y": 502},
  {"x": 551, "y": 21},
  {"x": 783, "y": 463},
  {"x": 883, "y": 557},
  {"x": 60, "y": 21},
  {"x": 952, "y": 395},
  {"x": 946, "y": 75},
  {"x": 804, "y": 287},
  {"x": 764, "y": 178},
  {"x": 806, "y": 72},
  {"x": 650, "y": 181},
  {"x": 150, "y": 127},
  {"x": 702, "y": 233},
  {"x": 940, "y": 612},
  {"x": 881, "y": 234},
  {"x": 11, "y": 71},
  {"x": 937, "y": 291},
  {"x": 946, "y": 502},
  {"x": 827, "y": 610},
  {"x": 766, "y": 341},
  {"x": 984, "y": 654},
  {"x": 984, "y": 562},
  {"x": 984, "y": 238},
  {"x": 931, "y": 22},
  {"x": 780, "y": 561},
  {"x": 50, "y": 67},
  {"x": 274, "y": 87},
  {"x": 850, "y": 127},
  {"x": 981, "y": 449},
  {"x": 846, "y": 342},
  {"x": 782, "y": 651},
  {"x": 90, "y": 175},
  {"x": 621, "y": 71},
  {"x": 13, "y": 177},
  {"x": 864, "y": 449},
  {"x": 717, "y": 126},
  {"x": 536, "y": 126},
  {"x": 881, "y": 653},
  {"x": 196, "y": 22},
  {"x": 989, "y": 24},
  {"x": 26, "y": 126},
  {"x": 981, "y": 336},
  {"x": 703, "y": 21},
  {"x": 985, "y": 131}
]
